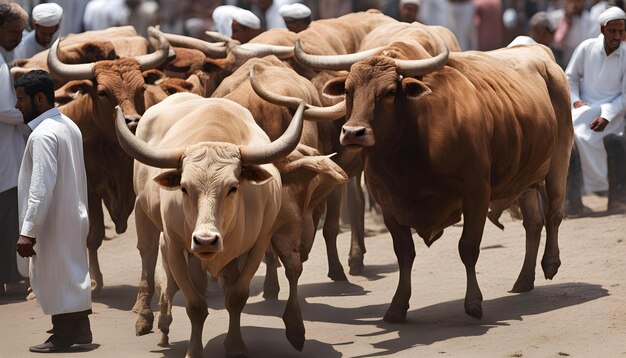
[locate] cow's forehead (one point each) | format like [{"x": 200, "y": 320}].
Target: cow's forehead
[
  {"x": 375, "y": 71},
  {"x": 212, "y": 153},
  {"x": 125, "y": 70}
]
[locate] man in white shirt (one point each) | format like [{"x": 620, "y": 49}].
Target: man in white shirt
[
  {"x": 52, "y": 192},
  {"x": 46, "y": 23},
  {"x": 597, "y": 80},
  {"x": 267, "y": 11},
  {"x": 540, "y": 31},
  {"x": 13, "y": 20}
]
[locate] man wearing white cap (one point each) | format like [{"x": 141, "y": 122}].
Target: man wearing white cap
[
  {"x": 297, "y": 16},
  {"x": 46, "y": 22},
  {"x": 245, "y": 26},
  {"x": 597, "y": 80}
]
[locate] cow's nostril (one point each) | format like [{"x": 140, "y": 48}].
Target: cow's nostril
[
  {"x": 195, "y": 240},
  {"x": 343, "y": 130},
  {"x": 360, "y": 132}
]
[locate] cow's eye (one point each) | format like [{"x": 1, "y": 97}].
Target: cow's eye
[
  {"x": 391, "y": 93},
  {"x": 102, "y": 93},
  {"x": 232, "y": 190},
  {"x": 183, "y": 189},
  {"x": 346, "y": 91}
]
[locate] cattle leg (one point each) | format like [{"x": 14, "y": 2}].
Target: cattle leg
[
  {"x": 404, "y": 248},
  {"x": 94, "y": 239},
  {"x": 197, "y": 308},
  {"x": 167, "y": 288},
  {"x": 330, "y": 231},
  {"x": 148, "y": 246},
  {"x": 237, "y": 291},
  {"x": 270, "y": 285},
  {"x": 533, "y": 223},
  {"x": 475, "y": 207},
  {"x": 356, "y": 206},
  {"x": 555, "y": 197},
  {"x": 289, "y": 251}
]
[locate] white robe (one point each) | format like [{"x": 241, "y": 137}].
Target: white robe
[
  {"x": 52, "y": 194},
  {"x": 600, "y": 81},
  {"x": 30, "y": 47}
]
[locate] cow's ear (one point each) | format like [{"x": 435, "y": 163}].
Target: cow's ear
[
  {"x": 152, "y": 76},
  {"x": 414, "y": 89},
  {"x": 169, "y": 180},
  {"x": 255, "y": 174},
  {"x": 335, "y": 87}
]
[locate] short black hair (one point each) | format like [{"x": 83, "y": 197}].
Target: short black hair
[{"x": 36, "y": 81}]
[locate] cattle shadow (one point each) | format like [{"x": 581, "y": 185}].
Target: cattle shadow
[
  {"x": 377, "y": 272},
  {"x": 447, "y": 320},
  {"x": 260, "y": 342},
  {"x": 120, "y": 297},
  {"x": 442, "y": 321}
]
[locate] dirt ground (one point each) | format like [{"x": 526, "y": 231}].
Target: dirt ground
[{"x": 581, "y": 313}]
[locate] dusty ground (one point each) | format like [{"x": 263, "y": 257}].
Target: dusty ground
[{"x": 581, "y": 313}]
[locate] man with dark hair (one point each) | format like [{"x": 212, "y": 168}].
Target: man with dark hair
[
  {"x": 52, "y": 192},
  {"x": 13, "y": 20}
]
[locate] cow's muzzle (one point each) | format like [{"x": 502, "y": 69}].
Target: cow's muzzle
[
  {"x": 132, "y": 122},
  {"x": 206, "y": 243},
  {"x": 356, "y": 137}
]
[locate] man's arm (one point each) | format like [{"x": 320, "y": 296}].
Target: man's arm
[
  {"x": 574, "y": 74},
  {"x": 8, "y": 113},
  {"x": 43, "y": 181}
]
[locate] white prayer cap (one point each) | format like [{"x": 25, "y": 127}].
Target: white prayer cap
[
  {"x": 405, "y": 2},
  {"x": 294, "y": 11},
  {"x": 247, "y": 19},
  {"x": 610, "y": 14},
  {"x": 47, "y": 14}
]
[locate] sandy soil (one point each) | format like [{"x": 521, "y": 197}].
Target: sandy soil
[{"x": 581, "y": 313}]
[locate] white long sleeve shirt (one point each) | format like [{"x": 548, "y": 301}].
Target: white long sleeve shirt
[
  {"x": 52, "y": 194},
  {"x": 598, "y": 79},
  {"x": 30, "y": 47},
  {"x": 11, "y": 127}
]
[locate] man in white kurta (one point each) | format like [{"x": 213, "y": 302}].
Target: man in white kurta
[
  {"x": 46, "y": 23},
  {"x": 52, "y": 192},
  {"x": 11, "y": 141},
  {"x": 597, "y": 81}
]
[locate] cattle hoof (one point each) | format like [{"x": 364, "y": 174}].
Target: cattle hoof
[
  {"x": 550, "y": 267},
  {"x": 356, "y": 265},
  {"x": 144, "y": 323},
  {"x": 337, "y": 276},
  {"x": 295, "y": 336},
  {"x": 165, "y": 341},
  {"x": 474, "y": 309},
  {"x": 521, "y": 286},
  {"x": 395, "y": 316}
]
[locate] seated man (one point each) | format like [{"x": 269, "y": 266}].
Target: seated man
[{"x": 597, "y": 80}]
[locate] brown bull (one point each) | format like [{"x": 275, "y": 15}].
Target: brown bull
[
  {"x": 444, "y": 136},
  {"x": 222, "y": 200},
  {"x": 104, "y": 85}
]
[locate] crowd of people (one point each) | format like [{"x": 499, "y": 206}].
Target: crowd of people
[{"x": 39, "y": 145}]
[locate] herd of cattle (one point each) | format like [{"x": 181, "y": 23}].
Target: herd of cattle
[{"x": 230, "y": 153}]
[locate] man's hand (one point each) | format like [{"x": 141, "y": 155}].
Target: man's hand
[
  {"x": 578, "y": 104},
  {"x": 598, "y": 124},
  {"x": 25, "y": 246}
]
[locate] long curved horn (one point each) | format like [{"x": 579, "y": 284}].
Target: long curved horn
[
  {"x": 332, "y": 62},
  {"x": 209, "y": 49},
  {"x": 255, "y": 50},
  {"x": 214, "y": 36},
  {"x": 68, "y": 72},
  {"x": 153, "y": 60},
  {"x": 140, "y": 150},
  {"x": 410, "y": 68},
  {"x": 280, "y": 147},
  {"x": 312, "y": 113}
]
